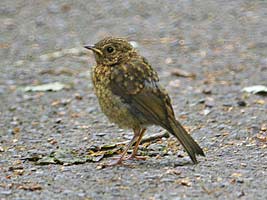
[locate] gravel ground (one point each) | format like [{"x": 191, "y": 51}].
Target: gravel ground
[{"x": 222, "y": 43}]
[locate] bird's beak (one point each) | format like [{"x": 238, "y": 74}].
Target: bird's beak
[
  {"x": 90, "y": 47},
  {"x": 93, "y": 48}
]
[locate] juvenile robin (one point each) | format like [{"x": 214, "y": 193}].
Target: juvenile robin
[{"x": 130, "y": 95}]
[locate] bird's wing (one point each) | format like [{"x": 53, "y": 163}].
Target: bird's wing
[
  {"x": 149, "y": 102},
  {"x": 137, "y": 85}
]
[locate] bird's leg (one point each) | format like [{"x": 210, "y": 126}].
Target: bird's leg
[
  {"x": 133, "y": 155},
  {"x": 121, "y": 158}
]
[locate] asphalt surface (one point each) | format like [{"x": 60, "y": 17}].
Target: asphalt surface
[{"x": 223, "y": 43}]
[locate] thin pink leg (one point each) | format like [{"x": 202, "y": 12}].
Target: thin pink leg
[
  {"x": 121, "y": 158},
  {"x": 133, "y": 155}
]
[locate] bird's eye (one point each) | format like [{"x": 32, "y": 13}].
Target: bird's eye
[{"x": 110, "y": 49}]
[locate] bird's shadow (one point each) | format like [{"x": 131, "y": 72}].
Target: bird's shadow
[
  {"x": 165, "y": 162},
  {"x": 152, "y": 162}
]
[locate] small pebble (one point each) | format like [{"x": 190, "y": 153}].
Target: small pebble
[
  {"x": 168, "y": 61},
  {"x": 241, "y": 103},
  {"x": 207, "y": 91},
  {"x": 78, "y": 96},
  {"x": 100, "y": 134},
  {"x": 58, "y": 120},
  {"x": 240, "y": 194}
]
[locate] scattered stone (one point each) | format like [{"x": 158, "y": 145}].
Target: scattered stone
[
  {"x": 241, "y": 103},
  {"x": 56, "y": 86},
  {"x": 78, "y": 96},
  {"x": 207, "y": 90},
  {"x": 100, "y": 134},
  {"x": 264, "y": 127},
  {"x": 205, "y": 112},
  {"x": 209, "y": 102},
  {"x": 30, "y": 186},
  {"x": 168, "y": 61},
  {"x": 58, "y": 120},
  {"x": 256, "y": 89},
  {"x": 184, "y": 182},
  {"x": 182, "y": 73},
  {"x": 240, "y": 194}
]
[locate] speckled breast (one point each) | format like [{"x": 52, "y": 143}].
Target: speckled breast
[{"x": 112, "y": 105}]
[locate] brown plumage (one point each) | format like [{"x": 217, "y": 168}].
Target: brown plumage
[{"x": 129, "y": 94}]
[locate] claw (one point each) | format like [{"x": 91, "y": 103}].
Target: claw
[
  {"x": 135, "y": 157},
  {"x": 115, "y": 162},
  {"x": 138, "y": 134}
]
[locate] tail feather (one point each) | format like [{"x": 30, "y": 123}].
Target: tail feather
[{"x": 190, "y": 145}]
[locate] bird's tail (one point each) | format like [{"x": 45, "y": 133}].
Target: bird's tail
[{"x": 190, "y": 145}]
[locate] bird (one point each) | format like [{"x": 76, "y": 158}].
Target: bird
[{"x": 130, "y": 95}]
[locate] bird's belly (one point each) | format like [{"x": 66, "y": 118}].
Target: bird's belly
[{"x": 114, "y": 108}]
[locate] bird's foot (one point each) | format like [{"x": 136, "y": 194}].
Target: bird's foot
[
  {"x": 135, "y": 157},
  {"x": 131, "y": 157},
  {"x": 113, "y": 163},
  {"x": 119, "y": 160},
  {"x": 116, "y": 161}
]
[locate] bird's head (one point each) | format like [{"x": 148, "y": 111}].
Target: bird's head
[{"x": 111, "y": 51}]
